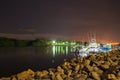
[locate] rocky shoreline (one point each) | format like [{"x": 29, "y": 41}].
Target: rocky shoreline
[{"x": 104, "y": 66}]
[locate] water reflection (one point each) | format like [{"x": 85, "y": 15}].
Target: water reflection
[
  {"x": 66, "y": 50},
  {"x": 53, "y": 49},
  {"x": 37, "y": 58},
  {"x": 61, "y": 50}
]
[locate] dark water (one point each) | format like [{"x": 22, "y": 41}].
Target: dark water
[{"x": 17, "y": 59}]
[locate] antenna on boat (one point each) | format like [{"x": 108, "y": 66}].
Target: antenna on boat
[
  {"x": 92, "y": 37},
  {"x": 88, "y": 37}
]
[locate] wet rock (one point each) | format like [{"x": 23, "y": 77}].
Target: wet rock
[
  {"x": 81, "y": 66},
  {"x": 51, "y": 72},
  {"x": 73, "y": 64},
  {"x": 38, "y": 75},
  {"x": 111, "y": 76},
  {"x": 118, "y": 74},
  {"x": 87, "y": 65},
  {"x": 105, "y": 66},
  {"x": 96, "y": 69},
  {"x": 74, "y": 74},
  {"x": 92, "y": 57},
  {"x": 3, "y": 78},
  {"x": 77, "y": 67},
  {"x": 97, "y": 63},
  {"x": 89, "y": 79},
  {"x": 52, "y": 69},
  {"x": 80, "y": 59},
  {"x": 108, "y": 63},
  {"x": 69, "y": 73},
  {"x": 58, "y": 77},
  {"x": 114, "y": 63},
  {"x": 77, "y": 76},
  {"x": 89, "y": 68},
  {"x": 66, "y": 65},
  {"x": 87, "y": 62},
  {"x": 69, "y": 78},
  {"x": 60, "y": 70},
  {"x": 53, "y": 77},
  {"x": 118, "y": 78},
  {"x": 13, "y": 78},
  {"x": 95, "y": 75},
  {"x": 63, "y": 76},
  {"x": 25, "y": 75},
  {"x": 80, "y": 77},
  {"x": 44, "y": 73},
  {"x": 73, "y": 60},
  {"x": 46, "y": 77},
  {"x": 84, "y": 72}
]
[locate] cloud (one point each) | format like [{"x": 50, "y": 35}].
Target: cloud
[
  {"x": 27, "y": 30},
  {"x": 100, "y": 37},
  {"x": 31, "y": 36}
]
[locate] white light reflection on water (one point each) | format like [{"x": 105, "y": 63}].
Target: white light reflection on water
[
  {"x": 61, "y": 50},
  {"x": 66, "y": 50},
  {"x": 53, "y": 49}
]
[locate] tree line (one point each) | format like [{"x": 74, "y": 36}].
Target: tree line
[{"x": 7, "y": 42}]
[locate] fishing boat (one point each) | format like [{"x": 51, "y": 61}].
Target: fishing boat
[{"x": 92, "y": 48}]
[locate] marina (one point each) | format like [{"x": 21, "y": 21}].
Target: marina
[{"x": 93, "y": 47}]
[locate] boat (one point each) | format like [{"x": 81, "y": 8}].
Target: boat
[{"x": 92, "y": 48}]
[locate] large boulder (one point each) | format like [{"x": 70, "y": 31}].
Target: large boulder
[{"x": 25, "y": 75}]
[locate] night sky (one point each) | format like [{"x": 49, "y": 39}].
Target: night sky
[{"x": 64, "y": 19}]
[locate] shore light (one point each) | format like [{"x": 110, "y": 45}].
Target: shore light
[{"x": 53, "y": 41}]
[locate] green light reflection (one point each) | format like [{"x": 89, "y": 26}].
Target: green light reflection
[{"x": 56, "y": 50}]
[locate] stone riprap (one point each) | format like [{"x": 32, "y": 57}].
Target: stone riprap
[{"x": 104, "y": 66}]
